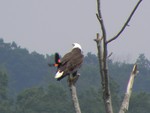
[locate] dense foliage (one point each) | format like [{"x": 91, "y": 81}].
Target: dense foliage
[{"x": 27, "y": 84}]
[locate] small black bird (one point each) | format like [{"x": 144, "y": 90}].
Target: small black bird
[{"x": 57, "y": 61}]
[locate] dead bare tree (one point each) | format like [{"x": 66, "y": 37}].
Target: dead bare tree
[{"x": 102, "y": 43}]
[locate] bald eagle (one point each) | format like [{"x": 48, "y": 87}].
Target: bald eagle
[{"x": 70, "y": 63}]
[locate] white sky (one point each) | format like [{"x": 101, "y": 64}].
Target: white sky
[{"x": 49, "y": 26}]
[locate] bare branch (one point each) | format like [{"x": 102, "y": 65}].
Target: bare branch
[
  {"x": 109, "y": 55},
  {"x": 126, "y": 23},
  {"x": 100, "y": 19},
  {"x": 125, "y": 103},
  {"x": 98, "y": 39},
  {"x": 99, "y": 54}
]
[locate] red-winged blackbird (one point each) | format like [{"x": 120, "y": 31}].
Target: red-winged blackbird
[{"x": 57, "y": 61}]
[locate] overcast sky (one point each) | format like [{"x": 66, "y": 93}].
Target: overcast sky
[{"x": 49, "y": 26}]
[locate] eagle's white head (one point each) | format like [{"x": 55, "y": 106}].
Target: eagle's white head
[{"x": 76, "y": 45}]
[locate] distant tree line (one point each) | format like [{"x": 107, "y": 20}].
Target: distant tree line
[{"x": 27, "y": 84}]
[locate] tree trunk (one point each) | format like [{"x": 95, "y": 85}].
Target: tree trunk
[
  {"x": 73, "y": 91},
  {"x": 75, "y": 98}
]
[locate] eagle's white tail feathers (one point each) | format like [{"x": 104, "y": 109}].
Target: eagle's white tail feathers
[{"x": 59, "y": 74}]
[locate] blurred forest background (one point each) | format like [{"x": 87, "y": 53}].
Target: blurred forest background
[{"x": 27, "y": 84}]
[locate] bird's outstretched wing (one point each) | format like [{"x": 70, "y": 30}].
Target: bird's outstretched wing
[{"x": 57, "y": 61}]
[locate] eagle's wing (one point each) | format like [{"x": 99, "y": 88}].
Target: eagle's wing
[
  {"x": 75, "y": 62},
  {"x": 67, "y": 57}
]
